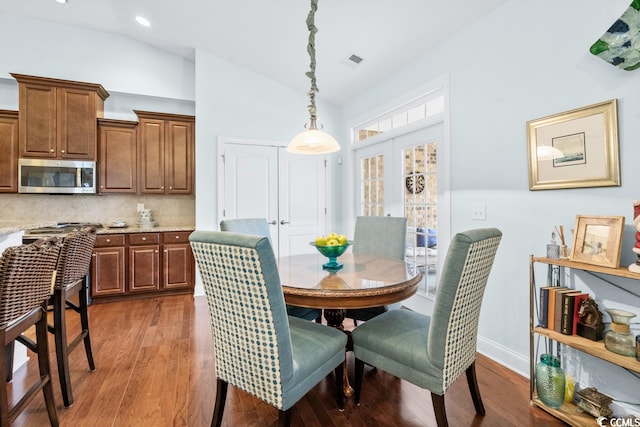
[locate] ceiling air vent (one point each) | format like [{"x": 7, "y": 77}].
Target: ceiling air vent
[
  {"x": 355, "y": 58},
  {"x": 352, "y": 60}
]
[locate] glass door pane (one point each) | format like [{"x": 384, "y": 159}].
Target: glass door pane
[
  {"x": 420, "y": 204},
  {"x": 373, "y": 174}
]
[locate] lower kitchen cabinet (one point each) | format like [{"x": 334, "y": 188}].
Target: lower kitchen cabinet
[
  {"x": 144, "y": 262},
  {"x": 177, "y": 260},
  {"x": 137, "y": 264},
  {"x": 108, "y": 266}
]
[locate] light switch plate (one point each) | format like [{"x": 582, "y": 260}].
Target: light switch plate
[{"x": 479, "y": 212}]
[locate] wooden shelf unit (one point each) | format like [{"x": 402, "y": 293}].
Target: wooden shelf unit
[{"x": 569, "y": 412}]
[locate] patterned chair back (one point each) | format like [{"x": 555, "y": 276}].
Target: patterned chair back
[
  {"x": 454, "y": 325},
  {"x": 26, "y": 275},
  {"x": 246, "y": 305},
  {"x": 75, "y": 256},
  {"x": 380, "y": 235}
]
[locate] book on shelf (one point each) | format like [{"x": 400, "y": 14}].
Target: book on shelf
[
  {"x": 578, "y": 298},
  {"x": 557, "y": 314},
  {"x": 551, "y": 305},
  {"x": 566, "y": 322},
  {"x": 543, "y": 309}
]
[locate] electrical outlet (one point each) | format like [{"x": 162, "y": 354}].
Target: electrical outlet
[
  {"x": 479, "y": 211},
  {"x": 140, "y": 207}
]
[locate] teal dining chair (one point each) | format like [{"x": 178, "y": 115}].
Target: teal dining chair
[
  {"x": 258, "y": 348},
  {"x": 260, "y": 227},
  {"x": 433, "y": 351},
  {"x": 383, "y": 236}
]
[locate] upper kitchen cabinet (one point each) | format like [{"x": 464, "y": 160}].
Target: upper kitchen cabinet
[
  {"x": 58, "y": 117},
  {"x": 165, "y": 153},
  {"x": 9, "y": 150},
  {"x": 117, "y": 156}
]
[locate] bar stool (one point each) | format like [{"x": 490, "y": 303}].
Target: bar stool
[
  {"x": 26, "y": 277},
  {"x": 72, "y": 278}
]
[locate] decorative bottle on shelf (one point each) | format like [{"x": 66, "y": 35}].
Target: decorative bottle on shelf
[
  {"x": 553, "y": 249},
  {"x": 550, "y": 381},
  {"x": 619, "y": 339}
]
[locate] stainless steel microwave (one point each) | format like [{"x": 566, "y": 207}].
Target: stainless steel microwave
[{"x": 49, "y": 176}]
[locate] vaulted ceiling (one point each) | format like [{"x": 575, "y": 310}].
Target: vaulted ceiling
[{"x": 269, "y": 37}]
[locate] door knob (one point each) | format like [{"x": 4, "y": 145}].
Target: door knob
[
  {"x": 283, "y": 222},
  {"x": 274, "y": 222}
]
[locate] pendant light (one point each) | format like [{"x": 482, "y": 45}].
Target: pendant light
[{"x": 312, "y": 140}]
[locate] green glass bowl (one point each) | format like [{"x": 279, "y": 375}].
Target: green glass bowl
[{"x": 332, "y": 252}]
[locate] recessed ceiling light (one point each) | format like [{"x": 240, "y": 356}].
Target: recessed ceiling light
[
  {"x": 143, "y": 21},
  {"x": 61, "y": 1}
]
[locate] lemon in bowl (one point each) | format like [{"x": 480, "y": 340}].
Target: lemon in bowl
[{"x": 332, "y": 246}]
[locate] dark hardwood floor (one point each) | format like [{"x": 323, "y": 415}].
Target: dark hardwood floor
[{"x": 155, "y": 368}]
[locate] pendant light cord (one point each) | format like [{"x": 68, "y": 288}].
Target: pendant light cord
[{"x": 311, "y": 49}]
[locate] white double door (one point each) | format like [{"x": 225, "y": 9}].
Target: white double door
[{"x": 266, "y": 181}]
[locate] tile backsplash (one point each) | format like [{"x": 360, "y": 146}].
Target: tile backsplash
[{"x": 166, "y": 210}]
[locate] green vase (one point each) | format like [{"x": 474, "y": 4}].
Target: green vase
[{"x": 550, "y": 381}]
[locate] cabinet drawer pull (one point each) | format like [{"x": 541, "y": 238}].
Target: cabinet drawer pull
[
  {"x": 144, "y": 238},
  {"x": 108, "y": 240},
  {"x": 52, "y": 150},
  {"x": 177, "y": 237},
  {"x": 62, "y": 151}
]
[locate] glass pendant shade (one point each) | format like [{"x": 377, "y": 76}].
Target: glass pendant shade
[{"x": 313, "y": 141}]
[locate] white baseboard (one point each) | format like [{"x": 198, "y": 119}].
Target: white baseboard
[{"x": 504, "y": 356}]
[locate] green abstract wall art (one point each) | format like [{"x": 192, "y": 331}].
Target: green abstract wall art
[{"x": 620, "y": 45}]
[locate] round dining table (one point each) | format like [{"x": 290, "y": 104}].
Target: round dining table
[{"x": 364, "y": 281}]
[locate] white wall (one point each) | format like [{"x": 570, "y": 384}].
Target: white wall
[
  {"x": 118, "y": 63},
  {"x": 235, "y": 102},
  {"x": 524, "y": 61}
]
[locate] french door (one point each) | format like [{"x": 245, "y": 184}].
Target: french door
[
  {"x": 266, "y": 181},
  {"x": 399, "y": 177}
]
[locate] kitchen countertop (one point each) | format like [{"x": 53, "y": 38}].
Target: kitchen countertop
[
  {"x": 7, "y": 227},
  {"x": 136, "y": 229}
]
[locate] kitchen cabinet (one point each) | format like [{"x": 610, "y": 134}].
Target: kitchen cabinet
[
  {"x": 178, "y": 264},
  {"x": 130, "y": 265},
  {"x": 144, "y": 262},
  {"x": 58, "y": 117},
  {"x": 9, "y": 150},
  {"x": 568, "y": 411},
  {"x": 108, "y": 266},
  {"x": 165, "y": 153},
  {"x": 117, "y": 156}
]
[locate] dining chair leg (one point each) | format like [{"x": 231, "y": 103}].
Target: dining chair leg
[
  {"x": 83, "y": 296},
  {"x": 284, "y": 418},
  {"x": 438, "y": 409},
  {"x": 45, "y": 368},
  {"x": 8, "y": 360},
  {"x": 221, "y": 396},
  {"x": 358, "y": 379},
  {"x": 473, "y": 388},
  {"x": 62, "y": 349},
  {"x": 340, "y": 386}
]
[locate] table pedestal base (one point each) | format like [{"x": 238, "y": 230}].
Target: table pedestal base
[{"x": 335, "y": 319}]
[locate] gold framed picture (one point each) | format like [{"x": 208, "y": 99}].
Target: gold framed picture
[
  {"x": 574, "y": 149},
  {"x": 597, "y": 240}
]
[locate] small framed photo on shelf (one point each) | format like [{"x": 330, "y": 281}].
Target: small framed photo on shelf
[
  {"x": 597, "y": 240},
  {"x": 574, "y": 149}
]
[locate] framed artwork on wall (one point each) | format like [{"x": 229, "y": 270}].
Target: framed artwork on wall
[
  {"x": 574, "y": 149},
  {"x": 597, "y": 240}
]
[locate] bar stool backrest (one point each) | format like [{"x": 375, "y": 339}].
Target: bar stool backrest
[
  {"x": 75, "y": 256},
  {"x": 26, "y": 275}
]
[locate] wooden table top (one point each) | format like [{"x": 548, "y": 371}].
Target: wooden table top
[{"x": 364, "y": 281}]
